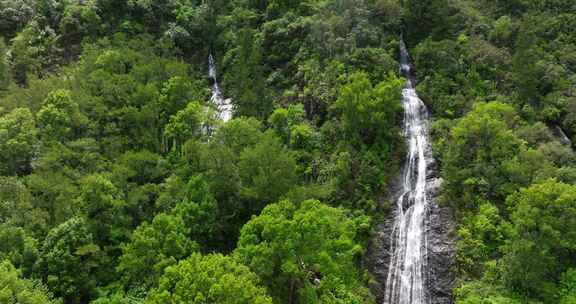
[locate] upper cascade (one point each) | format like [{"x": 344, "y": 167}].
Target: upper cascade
[{"x": 223, "y": 106}]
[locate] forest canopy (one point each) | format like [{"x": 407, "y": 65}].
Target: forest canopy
[{"x": 120, "y": 184}]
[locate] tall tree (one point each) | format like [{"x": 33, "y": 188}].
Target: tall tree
[
  {"x": 69, "y": 261},
  {"x": 304, "y": 254},
  {"x": 542, "y": 235},
  {"x": 246, "y": 77},
  {"x": 369, "y": 114},
  {"x": 18, "y": 142},
  {"x": 478, "y": 148},
  {"x": 4, "y": 67},
  {"x": 267, "y": 171}
]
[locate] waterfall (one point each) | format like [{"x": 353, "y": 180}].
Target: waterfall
[
  {"x": 564, "y": 139},
  {"x": 407, "y": 272},
  {"x": 223, "y": 106}
]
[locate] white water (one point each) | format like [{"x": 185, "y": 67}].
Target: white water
[
  {"x": 406, "y": 279},
  {"x": 564, "y": 139},
  {"x": 223, "y": 106}
]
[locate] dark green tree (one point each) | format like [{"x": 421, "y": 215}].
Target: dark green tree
[
  {"x": 246, "y": 77},
  {"x": 4, "y": 67},
  {"x": 69, "y": 261},
  {"x": 18, "y": 142},
  {"x": 267, "y": 171}
]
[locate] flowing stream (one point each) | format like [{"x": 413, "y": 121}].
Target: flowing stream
[
  {"x": 223, "y": 106},
  {"x": 407, "y": 272}
]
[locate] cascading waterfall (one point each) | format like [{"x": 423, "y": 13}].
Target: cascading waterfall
[
  {"x": 223, "y": 106},
  {"x": 564, "y": 139},
  {"x": 407, "y": 273}
]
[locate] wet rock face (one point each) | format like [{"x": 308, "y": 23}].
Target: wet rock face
[
  {"x": 441, "y": 252},
  {"x": 441, "y": 249}
]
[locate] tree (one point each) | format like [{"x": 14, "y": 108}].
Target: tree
[
  {"x": 209, "y": 279},
  {"x": 239, "y": 133},
  {"x": 16, "y": 206},
  {"x": 542, "y": 235},
  {"x": 191, "y": 225},
  {"x": 195, "y": 26},
  {"x": 484, "y": 293},
  {"x": 369, "y": 114},
  {"x": 246, "y": 77},
  {"x": 33, "y": 49},
  {"x": 480, "y": 143},
  {"x": 435, "y": 18},
  {"x": 79, "y": 20},
  {"x": 17, "y": 142},
  {"x": 4, "y": 67},
  {"x": 185, "y": 124},
  {"x": 101, "y": 204},
  {"x": 304, "y": 254},
  {"x": 480, "y": 238},
  {"x": 282, "y": 120},
  {"x": 156, "y": 13},
  {"x": 199, "y": 212},
  {"x": 14, "y": 15},
  {"x": 267, "y": 171},
  {"x": 51, "y": 192},
  {"x": 302, "y": 137},
  {"x": 18, "y": 247},
  {"x": 179, "y": 94},
  {"x": 153, "y": 247},
  {"x": 16, "y": 290},
  {"x": 69, "y": 261},
  {"x": 568, "y": 287},
  {"x": 59, "y": 116},
  {"x": 140, "y": 168}
]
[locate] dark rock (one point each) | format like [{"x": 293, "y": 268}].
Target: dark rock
[{"x": 441, "y": 249}]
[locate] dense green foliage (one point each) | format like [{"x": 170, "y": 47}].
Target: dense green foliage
[
  {"x": 209, "y": 279},
  {"x": 305, "y": 253},
  {"x": 500, "y": 78},
  {"x": 118, "y": 184},
  {"x": 16, "y": 290}
]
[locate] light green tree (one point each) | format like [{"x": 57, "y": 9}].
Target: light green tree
[
  {"x": 209, "y": 279},
  {"x": 184, "y": 125},
  {"x": 369, "y": 113},
  {"x": 479, "y": 145},
  {"x": 18, "y": 247},
  {"x": 305, "y": 254},
  {"x": 60, "y": 116},
  {"x": 189, "y": 226},
  {"x": 568, "y": 287},
  {"x": 16, "y": 290},
  {"x": 542, "y": 235},
  {"x": 153, "y": 247}
]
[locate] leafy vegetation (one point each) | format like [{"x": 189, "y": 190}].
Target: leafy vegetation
[
  {"x": 501, "y": 86},
  {"x": 119, "y": 185}
]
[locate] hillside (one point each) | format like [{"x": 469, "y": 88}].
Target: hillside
[{"x": 123, "y": 178}]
